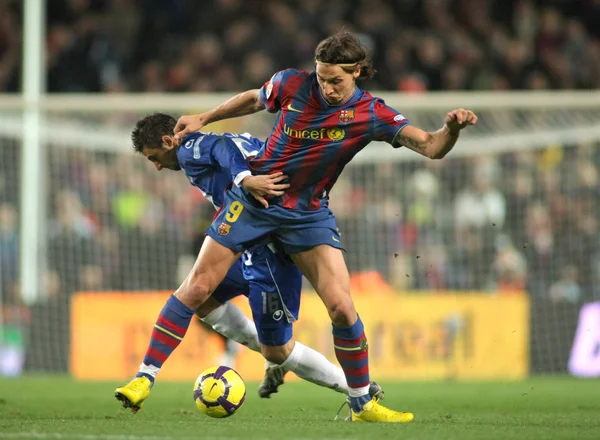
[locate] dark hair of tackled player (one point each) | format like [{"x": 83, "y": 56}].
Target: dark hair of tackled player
[
  {"x": 152, "y": 136},
  {"x": 149, "y": 131},
  {"x": 344, "y": 48}
]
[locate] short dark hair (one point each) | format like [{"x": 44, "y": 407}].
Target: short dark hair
[
  {"x": 149, "y": 130},
  {"x": 345, "y": 48}
]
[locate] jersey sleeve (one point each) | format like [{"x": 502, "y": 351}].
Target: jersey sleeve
[
  {"x": 214, "y": 151},
  {"x": 228, "y": 156},
  {"x": 271, "y": 93},
  {"x": 387, "y": 122}
]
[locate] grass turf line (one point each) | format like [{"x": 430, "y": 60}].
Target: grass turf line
[{"x": 62, "y": 408}]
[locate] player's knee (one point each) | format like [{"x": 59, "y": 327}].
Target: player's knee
[
  {"x": 277, "y": 357},
  {"x": 207, "y": 307},
  {"x": 194, "y": 292},
  {"x": 342, "y": 312},
  {"x": 277, "y": 354}
]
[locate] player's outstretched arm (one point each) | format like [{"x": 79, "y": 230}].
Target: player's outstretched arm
[
  {"x": 241, "y": 104},
  {"x": 437, "y": 144}
]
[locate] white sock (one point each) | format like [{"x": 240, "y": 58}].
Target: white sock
[
  {"x": 269, "y": 364},
  {"x": 148, "y": 370},
  {"x": 233, "y": 324},
  {"x": 312, "y": 366}
]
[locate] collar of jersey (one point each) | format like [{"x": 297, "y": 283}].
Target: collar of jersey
[{"x": 191, "y": 135}]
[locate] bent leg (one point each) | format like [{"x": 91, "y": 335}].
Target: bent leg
[
  {"x": 211, "y": 266},
  {"x": 225, "y": 317},
  {"x": 325, "y": 268}
]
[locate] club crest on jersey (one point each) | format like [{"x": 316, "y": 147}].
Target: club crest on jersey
[
  {"x": 346, "y": 116},
  {"x": 224, "y": 229}
]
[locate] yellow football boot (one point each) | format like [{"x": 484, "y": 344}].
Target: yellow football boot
[
  {"x": 377, "y": 413},
  {"x": 134, "y": 393}
]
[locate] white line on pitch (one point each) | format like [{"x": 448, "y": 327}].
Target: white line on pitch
[{"x": 60, "y": 436}]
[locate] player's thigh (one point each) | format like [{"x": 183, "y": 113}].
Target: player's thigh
[
  {"x": 210, "y": 268},
  {"x": 233, "y": 285},
  {"x": 326, "y": 270},
  {"x": 303, "y": 235}
]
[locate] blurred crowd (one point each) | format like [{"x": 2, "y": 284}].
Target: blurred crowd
[
  {"x": 514, "y": 222},
  {"x": 506, "y": 223},
  {"x": 225, "y": 45}
]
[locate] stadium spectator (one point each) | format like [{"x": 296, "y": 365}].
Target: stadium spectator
[
  {"x": 472, "y": 224},
  {"x": 118, "y": 45}
]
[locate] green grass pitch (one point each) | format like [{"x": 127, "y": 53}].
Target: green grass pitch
[{"x": 541, "y": 408}]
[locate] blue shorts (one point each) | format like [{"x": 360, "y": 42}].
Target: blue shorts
[
  {"x": 243, "y": 222},
  {"x": 273, "y": 284},
  {"x": 233, "y": 285},
  {"x": 275, "y": 288}
]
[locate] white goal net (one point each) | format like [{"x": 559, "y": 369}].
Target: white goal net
[{"x": 513, "y": 210}]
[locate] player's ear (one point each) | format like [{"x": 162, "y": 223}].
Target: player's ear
[{"x": 168, "y": 141}]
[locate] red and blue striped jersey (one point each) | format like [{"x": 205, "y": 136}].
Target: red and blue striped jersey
[{"x": 313, "y": 141}]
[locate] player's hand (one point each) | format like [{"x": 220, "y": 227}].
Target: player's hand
[
  {"x": 188, "y": 124},
  {"x": 458, "y": 119},
  {"x": 265, "y": 185}
]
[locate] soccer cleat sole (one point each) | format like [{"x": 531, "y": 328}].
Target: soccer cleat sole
[
  {"x": 126, "y": 403},
  {"x": 266, "y": 394}
]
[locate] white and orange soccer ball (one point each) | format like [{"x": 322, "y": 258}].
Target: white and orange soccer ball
[{"x": 219, "y": 392}]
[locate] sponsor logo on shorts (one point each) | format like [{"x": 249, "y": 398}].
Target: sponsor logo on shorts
[
  {"x": 278, "y": 315},
  {"x": 399, "y": 117},
  {"x": 224, "y": 229},
  {"x": 334, "y": 238}
]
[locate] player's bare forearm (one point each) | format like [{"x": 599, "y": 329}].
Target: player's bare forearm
[
  {"x": 439, "y": 143},
  {"x": 241, "y": 104},
  {"x": 432, "y": 145}
]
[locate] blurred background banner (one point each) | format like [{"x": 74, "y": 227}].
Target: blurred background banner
[
  {"x": 511, "y": 215},
  {"x": 429, "y": 336},
  {"x": 585, "y": 355}
]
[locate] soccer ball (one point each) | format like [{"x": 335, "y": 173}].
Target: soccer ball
[{"x": 219, "y": 392}]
